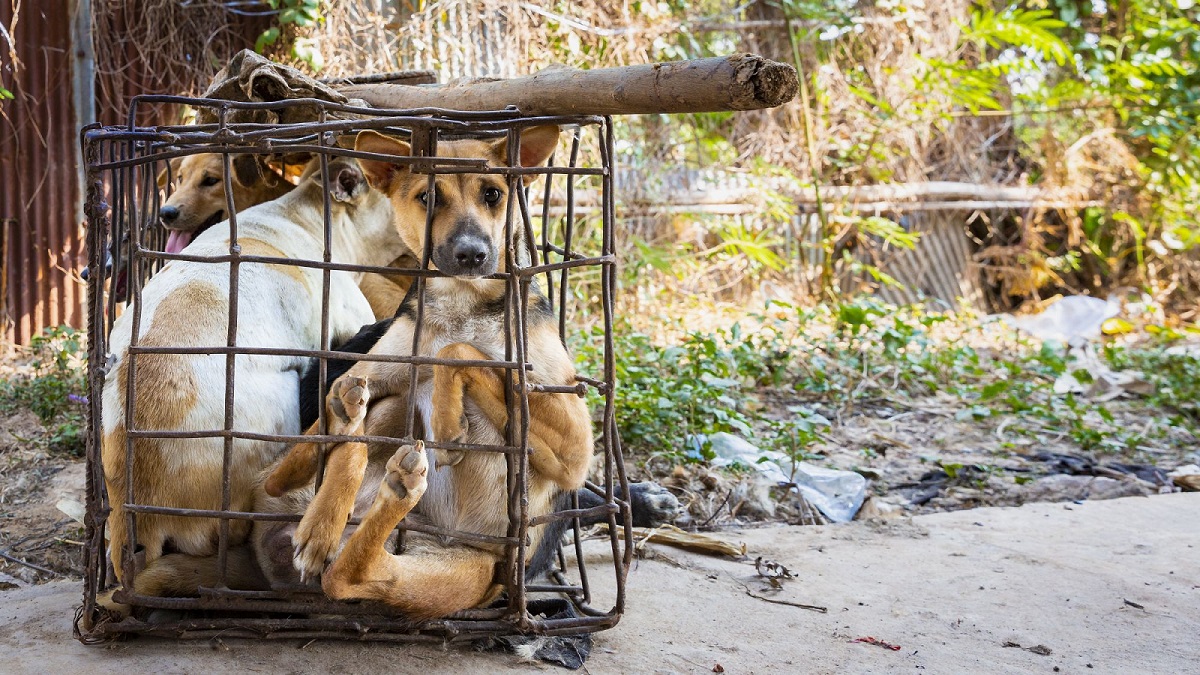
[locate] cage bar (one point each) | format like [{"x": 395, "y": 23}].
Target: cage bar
[{"x": 122, "y": 200}]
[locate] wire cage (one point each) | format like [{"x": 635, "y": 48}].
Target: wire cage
[{"x": 122, "y": 204}]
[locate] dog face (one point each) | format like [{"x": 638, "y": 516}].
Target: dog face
[
  {"x": 198, "y": 201},
  {"x": 468, "y": 209}
]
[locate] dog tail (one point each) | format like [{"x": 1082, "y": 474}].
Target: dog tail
[
  {"x": 182, "y": 575},
  {"x": 294, "y": 471}
]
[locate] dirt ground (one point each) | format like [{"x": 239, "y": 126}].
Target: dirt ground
[
  {"x": 899, "y": 449},
  {"x": 33, "y": 483},
  {"x": 1080, "y": 584},
  {"x": 1103, "y": 586}
]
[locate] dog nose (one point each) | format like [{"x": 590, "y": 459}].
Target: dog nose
[
  {"x": 469, "y": 253},
  {"x": 168, "y": 214}
]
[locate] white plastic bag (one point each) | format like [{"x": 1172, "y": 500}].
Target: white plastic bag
[{"x": 837, "y": 494}]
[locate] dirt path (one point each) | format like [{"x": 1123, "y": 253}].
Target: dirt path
[{"x": 949, "y": 588}]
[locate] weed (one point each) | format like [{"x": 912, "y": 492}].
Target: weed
[
  {"x": 52, "y": 388},
  {"x": 862, "y": 351}
]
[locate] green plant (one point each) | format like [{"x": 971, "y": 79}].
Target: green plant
[
  {"x": 294, "y": 15},
  {"x": 53, "y": 388},
  {"x": 794, "y": 436}
]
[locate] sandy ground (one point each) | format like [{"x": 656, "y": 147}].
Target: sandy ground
[{"x": 1103, "y": 586}]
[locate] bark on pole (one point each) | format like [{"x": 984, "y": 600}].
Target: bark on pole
[{"x": 719, "y": 84}]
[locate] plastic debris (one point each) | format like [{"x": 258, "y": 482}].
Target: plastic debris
[
  {"x": 673, "y": 536},
  {"x": 836, "y": 494},
  {"x": 1074, "y": 320}
]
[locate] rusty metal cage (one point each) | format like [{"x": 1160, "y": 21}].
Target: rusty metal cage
[{"x": 122, "y": 202}]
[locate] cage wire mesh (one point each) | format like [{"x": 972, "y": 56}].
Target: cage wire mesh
[{"x": 123, "y": 200}]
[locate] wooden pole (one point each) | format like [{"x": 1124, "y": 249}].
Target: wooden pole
[{"x": 738, "y": 82}]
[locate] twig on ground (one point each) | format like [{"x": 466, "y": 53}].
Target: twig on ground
[
  {"x": 1041, "y": 650},
  {"x": 714, "y": 513},
  {"x": 888, "y": 439},
  {"x": 789, "y": 603},
  {"x": 30, "y": 565},
  {"x": 878, "y": 643},
  {"x": 916, "y": 408}
]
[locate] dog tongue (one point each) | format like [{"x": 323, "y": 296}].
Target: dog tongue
[{"x": 177, "y": 241}]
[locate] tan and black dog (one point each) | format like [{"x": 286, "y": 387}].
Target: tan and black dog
[
  {"x": 187, "y": 304},
  {"x": 465, "y": 490},
  {"x": 198, "y": 201}
]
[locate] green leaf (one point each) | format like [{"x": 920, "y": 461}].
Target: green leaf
[
  {"x": 1031, "y": 29},
  {"x": 993, "y": 390},
  {"x": 951, "y": 468},
  {"x": 268, "y": 37}
]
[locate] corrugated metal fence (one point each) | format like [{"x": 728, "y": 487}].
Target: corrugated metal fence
[
  {"x": 39, "y": 190},
  {"x": 41, "y": 245}
]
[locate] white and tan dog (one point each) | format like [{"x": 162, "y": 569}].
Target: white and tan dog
[
  {"x": 198, "y": 202},
  {"x": 187, "y": 305}
]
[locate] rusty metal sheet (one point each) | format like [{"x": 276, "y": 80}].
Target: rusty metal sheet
[{"x": 39, "y": 190}]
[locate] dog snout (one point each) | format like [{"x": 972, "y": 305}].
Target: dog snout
[
  {"x": 470, "y": 253},
  {"x": 168, "y": 214}
]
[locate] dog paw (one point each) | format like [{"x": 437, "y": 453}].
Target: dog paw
[
  {"x": 652, "y": 505},
  {"x": 347, "y": 404},
  {"x": 450, "y": 430},
  {"x": 314, "y": 545},
  {"x": 406, "y": 474},
  {"x": 117, "y": 610},
  {"x": 443, "y": 457}
]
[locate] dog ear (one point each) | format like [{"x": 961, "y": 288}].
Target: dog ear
[
  {"x": 247, "y": 170},
  {"x": 170, "y": 171},
  {"x": 381, "y": 174},
  {"x": 537, "y": 144},
  {"x": 347, "y": 182}
]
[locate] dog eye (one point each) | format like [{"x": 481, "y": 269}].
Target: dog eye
[
  {"x": 491, "y": 196},
  {"x": 209, "y": 181},
  {"x": 423, "y": 197}
]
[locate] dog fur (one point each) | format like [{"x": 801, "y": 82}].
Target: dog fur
[
  {"x": 198, "y": 201},
  {"x": 463, "y": 318},
  {"x": 187, "y": 304},
  {"x": 466, "y": 489}
]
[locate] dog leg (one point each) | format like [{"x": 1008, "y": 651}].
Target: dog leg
[
  {"x": 181, "y": 575},
  {"x": 449, "y": 415},
  {"x": 423, "y": 584},
  {"x": 118, "y": 536},
  {"x": 346, "y": 406},
  {"x": 320, "y": 531},
  {"x": 560, "y": 429}
]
